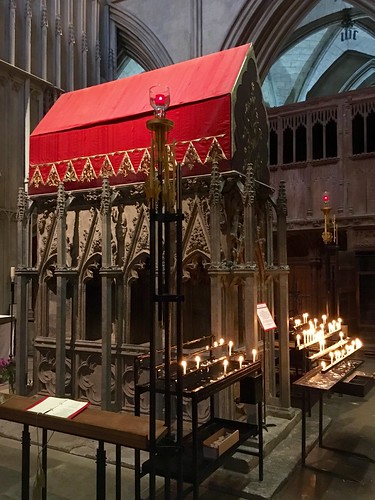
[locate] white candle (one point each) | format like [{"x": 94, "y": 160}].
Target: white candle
[
  {"x": 298, "y": 340},
  {"x": 221, "y": 341},
  {"x": 358, "y": 343},
  {"x": 197, "y": 360},
  {"x": 315, "y": 322},
  {"x": 215, "y": 344},
  {"x": 341, "y": 335},
  {"x": 254, "y": 353},
  {"x": 12, "y": 274},
  {"x": 183, "y": 364},
  {"x": 323, "y": 364},
  {"x": 331, "y": 356},
  {"x": 230, "y": 345},
  {"x": 225, "y": 363},
  {"x": 240, "y": 360},
  {"x": 324, "y": 318}
]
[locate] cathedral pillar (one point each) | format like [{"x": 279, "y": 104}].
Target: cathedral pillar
[
  {"x": 12, "y": 32},
  {"x": 27, "y": 44},
  {"x": 44, "y": 28}
]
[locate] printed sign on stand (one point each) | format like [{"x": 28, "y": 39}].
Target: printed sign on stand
[{"x": 265, "y": 317}]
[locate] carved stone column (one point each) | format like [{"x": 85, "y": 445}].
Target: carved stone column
[
  {"x": 57, "y": 58},
  {"x": 61, "y": 280},
  {"x": 270, "y": 379},
  {"x": 71, "y": 44},
  {"x": 44, "y": 29},
  {"x": 27, "y": 44},
  {"x": 215, "y": 271},
  {"x": 12, "y": 32},
  {"x": 21, "y": 293},
  {"x": 106, "y": 278},
  {"x": 282, "y": 286},
  {"x": 250, "y": 281}
]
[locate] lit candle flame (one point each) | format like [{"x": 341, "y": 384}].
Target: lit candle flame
[
  {"x": 254, "y": 353},
  {"x": 197, "y": 360},
  {"x": 240, "y": 360},
  {"x": 230, "y": 345},
  {"x": 183, "y": 364},
  {"x": 225, "y": 363}
]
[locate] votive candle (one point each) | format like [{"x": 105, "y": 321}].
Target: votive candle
[
  {"x": 225, "y": 363},
  {"x": 197, "y": 360},
  {"x": 240, "y": 361},
  {"x": 230, "y": 345},
  {"x": 254, "y": 353}
]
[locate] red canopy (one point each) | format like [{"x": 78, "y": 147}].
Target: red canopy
[{"x": 102, "y": 129}]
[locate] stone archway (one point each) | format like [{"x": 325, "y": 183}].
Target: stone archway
[{"x": 268, "y": 28}]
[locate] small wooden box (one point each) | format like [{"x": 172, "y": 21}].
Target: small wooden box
[
  {"x": 359, "y": 386},
  {"x": 231, "y": 437}
]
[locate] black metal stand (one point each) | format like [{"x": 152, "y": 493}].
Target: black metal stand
[
  {"x": 100, "y": 471},
  {"x": 307, "y": 384},
  {"x": 25, "y": 462},
  {"x": 12, "y": 320}
]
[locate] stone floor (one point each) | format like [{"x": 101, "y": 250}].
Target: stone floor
[{"x": 349, "y": 422}]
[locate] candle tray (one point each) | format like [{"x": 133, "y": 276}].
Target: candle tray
[{"x": 219, "y": 442}]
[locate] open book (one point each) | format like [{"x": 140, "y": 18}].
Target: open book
[{"x": 58, "y": 407}]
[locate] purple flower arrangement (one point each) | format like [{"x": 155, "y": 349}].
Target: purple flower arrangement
[{"x": 8, "y": 371}]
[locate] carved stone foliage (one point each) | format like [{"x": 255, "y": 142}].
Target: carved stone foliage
[
  {"x": 46, "y": 372},
  {"x": 89, "y": 375},
  {"x": 232, "y": 224},
  {"x": 196, "y": 231},
  {"x": 128, "y": 385},
  {"x": 251, "y": 133},
  {"x": 137, "y": 237},
  {"x": 46, "y": 236},
  {"x": 364, "y": 239}
]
